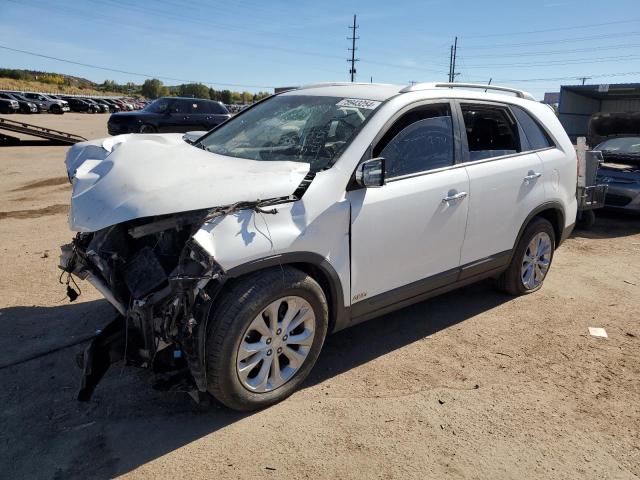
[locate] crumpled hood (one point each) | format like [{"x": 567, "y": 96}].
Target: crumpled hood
[{"x": 122, "y": 178}]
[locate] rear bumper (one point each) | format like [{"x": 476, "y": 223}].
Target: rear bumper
[{"x": 566, "y": 233}]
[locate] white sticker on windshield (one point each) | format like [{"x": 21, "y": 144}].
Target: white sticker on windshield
[{"x": 358, "y": 103}]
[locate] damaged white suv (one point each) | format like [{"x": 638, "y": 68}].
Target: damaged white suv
[{"x": 238, "y": 252}]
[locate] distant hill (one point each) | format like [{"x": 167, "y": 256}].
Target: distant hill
[
  {"x": 47, "y": 77},
  {"x": 52, "y": 82}
]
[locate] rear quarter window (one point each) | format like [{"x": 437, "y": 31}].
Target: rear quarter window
[
  {"x": 217, "y": 108},
  {"x": 535, "y": 138}
]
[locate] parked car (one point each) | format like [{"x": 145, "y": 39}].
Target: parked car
[
  {"x": 21, "y": 98},
  {"x": 621, "y": 172},
  {"x": 23, "y": 105},
  {"x": 170, "y": 114},
  {"x": 8, "y": 106},
  {"x": 99, "y": 108},
  {"x": 309, "y": 212},
  {"x": 79, "y": 105},
  {"x": 52, "y": 105},
  {"x": 124, "y": 106},
  {"x": 113, "y": 106}
]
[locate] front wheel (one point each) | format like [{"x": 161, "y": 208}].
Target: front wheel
[
  {"x": 531, "y": 259},
  {"x": 264, "y": 338},
  {"x": 146, "y": 128}
]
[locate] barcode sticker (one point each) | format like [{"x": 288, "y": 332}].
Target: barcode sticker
[{"x": 358, "y": 103}]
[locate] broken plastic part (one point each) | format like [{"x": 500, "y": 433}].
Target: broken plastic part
[{"x": 106, "y": 348}]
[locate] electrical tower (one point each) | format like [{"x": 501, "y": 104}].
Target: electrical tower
[{"x": 353, "y": 58}]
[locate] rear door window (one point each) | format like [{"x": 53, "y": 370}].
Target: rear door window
[
  {"x": 491, "y": 131},
  {"x": 198, "y": 107},
  {"x": 535, "y": 138}
]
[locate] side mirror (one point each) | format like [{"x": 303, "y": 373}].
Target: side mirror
[{"x": 370, "y": 173}]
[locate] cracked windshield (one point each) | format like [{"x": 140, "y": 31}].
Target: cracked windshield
[{"x": 299, "y": 128}]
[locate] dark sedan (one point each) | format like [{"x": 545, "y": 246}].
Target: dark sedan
[
  {"x": 170, "y": 114},
  {"x": 80, "y": 105},
  {"x": 8, "y": 106},
  {"x": 24, "y": 105},
  {"x": 621, "y": 171}
]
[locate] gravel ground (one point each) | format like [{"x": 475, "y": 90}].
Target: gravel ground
[{"x": 473, "y": 384}]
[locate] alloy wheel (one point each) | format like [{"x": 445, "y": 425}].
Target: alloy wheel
[
  {"x": 276, "y": 344},
  {"x": 536, "y": 260}
]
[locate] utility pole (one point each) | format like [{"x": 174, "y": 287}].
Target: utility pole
[
  {"x": 584, "y": 79},
  {"x": 353, "y": 39},
  {"x": 453, "y": 67}
]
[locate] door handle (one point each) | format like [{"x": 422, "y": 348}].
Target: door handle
[
  {"x": 454, "y": 197},
  {"x": 532, "y": 176}
]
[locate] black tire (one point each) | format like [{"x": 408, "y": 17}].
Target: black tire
[
  {"x": 586, "y": 219},
  {"x": 235, "y": 311},
  {"x": 146, "y": 128},
  {"x": 56, "y": 109},
  {"x": 511, "y": 279}
]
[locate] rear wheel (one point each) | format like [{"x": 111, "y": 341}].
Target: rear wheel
[
  {"x": 531, "y": 259},
  {"x": 146, "y": 128},
  {"x": 57, "y": 109},
  {"x": 264, "y": 338}
]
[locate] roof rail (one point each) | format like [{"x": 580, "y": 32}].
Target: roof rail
[
  {"x": 428, "y": 86},
  {"x": 337, "y": 84}
]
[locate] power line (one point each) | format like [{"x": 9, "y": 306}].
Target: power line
[
  {"x": 558, "y": 52},
  {"x": 108, "y": 69},
  {"x": 353, "y": 39},
  {"x": 559, "y": 29},
  {"x": 575, "y": 61},
  {"x": 558, "y": 79},
  {"x": 551, "y": 42}
]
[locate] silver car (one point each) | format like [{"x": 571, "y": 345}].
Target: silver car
[
  {"x": 52, "y": 105},
  {"x": 621, "y": 171}
]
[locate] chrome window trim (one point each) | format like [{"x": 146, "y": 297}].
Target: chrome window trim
[{"x": 467, "y": 164}]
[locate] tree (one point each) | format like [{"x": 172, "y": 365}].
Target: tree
[
  {"x": 196, "y": 90},
  {"x": 153, "y": 88},
  {"x": 225, "y": 96}
]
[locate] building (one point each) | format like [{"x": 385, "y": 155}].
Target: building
[
  {"x": 578, "y": 102},
  {"x": 551, "y": 98}
]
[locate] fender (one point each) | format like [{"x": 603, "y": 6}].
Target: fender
[
  {"x": 561, "y": 232},
  {"x": 339, "y": 316}
]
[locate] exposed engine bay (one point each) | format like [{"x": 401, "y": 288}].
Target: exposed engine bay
[{"x": 161, "y": 282}]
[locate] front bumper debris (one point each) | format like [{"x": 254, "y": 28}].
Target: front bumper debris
[{"x": 106, "y": 348}]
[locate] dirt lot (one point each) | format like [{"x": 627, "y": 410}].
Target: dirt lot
[{"x": 473, "y": 384}]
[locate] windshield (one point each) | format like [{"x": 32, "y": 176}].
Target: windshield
[
  {"x": 157, "y": 106},
  {"x": 310, "y": 129},
  {"x": 621, "y": 145}
]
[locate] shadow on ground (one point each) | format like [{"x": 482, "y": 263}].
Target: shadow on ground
[
  {"x": 45, "y": 433},
  {"x": 611, "y": 224}
]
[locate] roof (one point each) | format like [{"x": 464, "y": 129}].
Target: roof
[
  {"x": 608, "y": 91},
  {"x": 369, "y": 91},
  {"x": 382, "y": 91}
]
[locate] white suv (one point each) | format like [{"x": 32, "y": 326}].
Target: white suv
[{"x": 238, "y": 251}]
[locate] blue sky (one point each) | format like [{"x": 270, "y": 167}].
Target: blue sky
[{"x": 252, "y": 44}]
